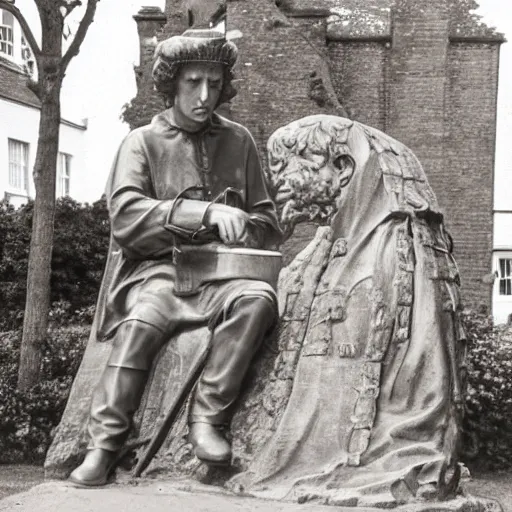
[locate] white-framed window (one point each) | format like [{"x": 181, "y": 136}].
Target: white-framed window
[
  {"x": 18, "y": 166},
  {"x": 63, "y": 174},
  {"x": 6, "y": 33},
  {"x": 504, "y": 276},
  {"x": 27, "y": 56}
]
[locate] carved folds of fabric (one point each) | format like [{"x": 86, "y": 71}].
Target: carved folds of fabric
[
  {"x": 440, "y": 264},
  {"x": 403, "y": 175},
  {"x": 364, "y": 414},
  {"x": 385, "y": 329},
  {"x": 329, "y": 306}
]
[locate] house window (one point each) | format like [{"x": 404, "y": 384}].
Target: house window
[
  {"x": 27, "y": 56},
  {"x": 505, "y": 276},
  {"x": 6, "y": 35},
  {"x": 63, "y": 174},
  {"x": 18, "y": 166}
]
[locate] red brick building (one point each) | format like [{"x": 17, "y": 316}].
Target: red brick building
[{"x": 424, "y": 72}]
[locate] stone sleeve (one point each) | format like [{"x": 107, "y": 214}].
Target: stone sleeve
[{"x": 145, "y": 227}]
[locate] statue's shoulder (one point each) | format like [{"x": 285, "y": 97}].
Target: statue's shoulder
[
  {"x": 233, "y": 128},
  {"x": 137, "y": 135}
]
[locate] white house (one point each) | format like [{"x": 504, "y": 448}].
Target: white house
[
  {"x": 502, "y": 266},
  {"x": 19, "y": 114}
]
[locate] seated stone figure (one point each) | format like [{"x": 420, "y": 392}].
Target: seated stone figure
[
  {"x": 374, "y": 345},
  {"x": 162, "y": 194},
  {"x": 358, "y": 399}
]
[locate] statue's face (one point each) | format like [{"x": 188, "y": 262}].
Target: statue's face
[
  {"x": 198, "y": 89},
  {"x": 308, "y": 177},
  {"x": 312, "y": 159}
]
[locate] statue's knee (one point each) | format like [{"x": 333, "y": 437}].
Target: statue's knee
[
  {"x": 262, "y": 309},
  {"x": 135, "y": 345}
]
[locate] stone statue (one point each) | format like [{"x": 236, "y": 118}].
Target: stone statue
[
  {"x": 374, "y": 344},
  {"x": 357, "y": 399},
  {"x": 189, "y": 180}
]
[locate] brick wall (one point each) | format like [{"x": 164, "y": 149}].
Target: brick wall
[
  {"x": 273, "y": 86},
  {"x": 425, "y": 72},
  {"x": 146, "y": 104},
  {"x": 466, "y": 186},
  {"x": 359, "y": 77}
]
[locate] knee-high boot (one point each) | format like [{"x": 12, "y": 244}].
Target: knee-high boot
[
  {"x": 120, "y": 389},
  {"x": 117, "y": 397},
  {"x": 234, "y": 344}
]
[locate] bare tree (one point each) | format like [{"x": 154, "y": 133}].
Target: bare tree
[{"x": 52, "y": 62}]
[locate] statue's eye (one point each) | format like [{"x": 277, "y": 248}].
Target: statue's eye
[
  {"x": 345, "y": 164},
  {"x": 340, "y": 162}
]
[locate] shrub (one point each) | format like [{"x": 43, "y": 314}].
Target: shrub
[
  {"x": 79, "y": 254},
  {"x": 28, "y": 420},
  {"x": 487, "y": 431}
]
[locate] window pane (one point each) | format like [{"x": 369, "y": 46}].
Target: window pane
[
  {"x": 18, "y": 165},
  {"x": 6, "y": 39},
  {"x": 63, "y": 174},
  {"x": 7, "y": 18}
]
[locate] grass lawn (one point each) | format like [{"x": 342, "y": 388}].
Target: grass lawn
[
  {"x": 19, "y": 478},
  {"x": 497, "y": 486}
]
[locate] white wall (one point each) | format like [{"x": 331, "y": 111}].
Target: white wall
[
  {"x": 73, "y": 141},
  {"x": 503, "y": 227},
  {"x": 501, "y": 304},
  {"x": 21, "y": 122}
]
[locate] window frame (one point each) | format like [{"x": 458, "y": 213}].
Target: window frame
[
  {"x": 18, "y": 181},
  {"x": 63, "y": 183},
  {"x": 7, "y": 26},
  {"x": 504, "y": 276}
]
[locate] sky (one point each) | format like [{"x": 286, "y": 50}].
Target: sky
[{"x": 100, "y": 80}]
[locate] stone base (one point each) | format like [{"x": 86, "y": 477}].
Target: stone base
[{"x": 186, "y": 496}]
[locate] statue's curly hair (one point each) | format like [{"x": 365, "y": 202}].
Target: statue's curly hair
[{"x": 165, "y": 79}]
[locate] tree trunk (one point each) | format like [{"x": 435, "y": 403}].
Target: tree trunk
[{"x": 39, "y": 265}]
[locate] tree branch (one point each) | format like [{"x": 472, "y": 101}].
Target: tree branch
[
  {"x": 34, "y": 87},
  {"x": 31, "y": 40},
  {"x": 70, "y": 5},
  {"x": 74, "y": 47}
]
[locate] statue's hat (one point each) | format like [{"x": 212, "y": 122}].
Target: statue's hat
[{"x": 197, "y": 45}]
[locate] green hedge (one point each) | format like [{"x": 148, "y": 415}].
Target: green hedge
[
  {"x": 488, "y": 419},
  {"x": 79, "y": 253},
  {"x": 28, "y": 420}
]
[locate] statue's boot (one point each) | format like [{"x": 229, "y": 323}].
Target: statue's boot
[
  {"x": 116, "y": 399},
  {"x": 96, "y": 468},
  {"x": 209, "y": 444},
  {"x": 234, "y": 343}
]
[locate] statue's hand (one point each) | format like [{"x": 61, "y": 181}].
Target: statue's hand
[{"x": 231, "y": 222}]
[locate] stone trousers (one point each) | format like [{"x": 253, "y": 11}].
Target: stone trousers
[{"x": 239, "y": 321}]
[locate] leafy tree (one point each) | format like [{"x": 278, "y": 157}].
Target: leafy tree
[{"x": 51, "y": 62}]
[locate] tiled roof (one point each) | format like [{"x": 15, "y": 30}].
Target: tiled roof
[{"x": 13, "y": 85}]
